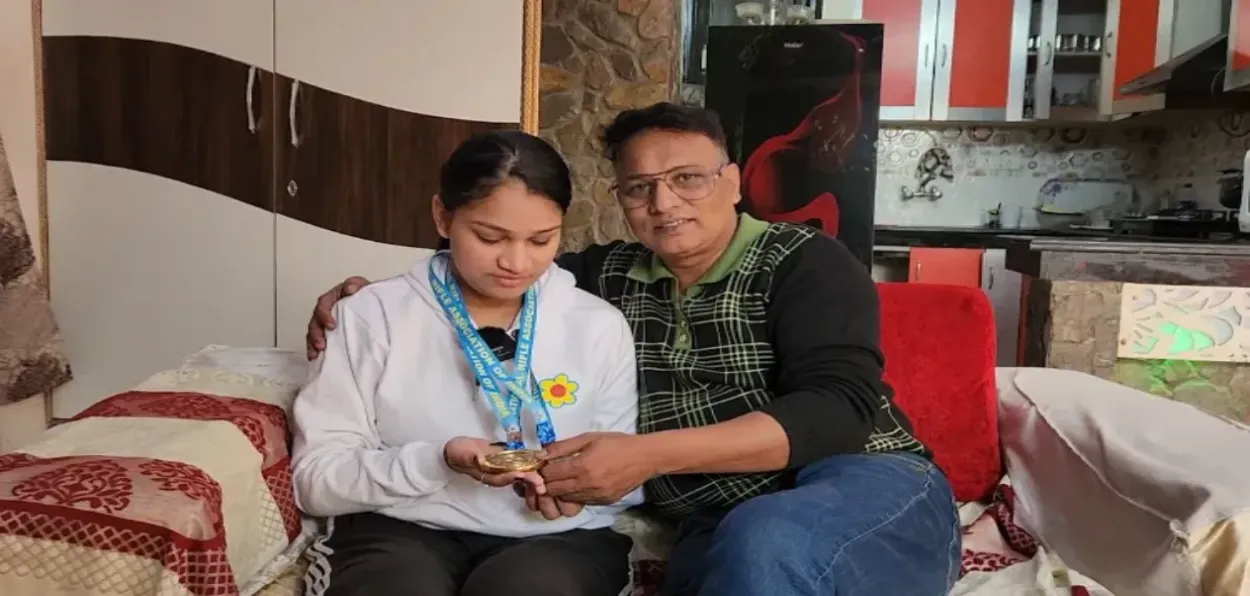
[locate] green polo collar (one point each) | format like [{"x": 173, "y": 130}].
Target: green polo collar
[{"x": 749, "y": 229}]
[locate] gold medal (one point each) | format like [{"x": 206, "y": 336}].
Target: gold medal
[{"x": 514, "y": 460}]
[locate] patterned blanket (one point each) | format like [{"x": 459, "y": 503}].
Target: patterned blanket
[
  {"x": 180, "y": 487},
  {"x": 1001, "y": 559}
]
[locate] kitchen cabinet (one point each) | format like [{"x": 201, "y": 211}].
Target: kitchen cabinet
[
  {"x": 952, "y": 266},
  {"x": 1132, "y": 46},
  {"x": 1237, "y": 75},
  {"x": 947, "y": 60},
  {"x": 1003, "y": 288},
  {"x": 908, "y": 55},
  {"x": 238, "y": 158},
  {"x": 1086, "y": 50},
  {"x": 1020, "y": 60},
  {"x": 973, "y": 268}
]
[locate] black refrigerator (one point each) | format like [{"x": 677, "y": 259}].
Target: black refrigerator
[{"x": 800, "y": 104}]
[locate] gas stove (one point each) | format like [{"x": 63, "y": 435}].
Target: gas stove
[{"x": 1197, "y": 224}]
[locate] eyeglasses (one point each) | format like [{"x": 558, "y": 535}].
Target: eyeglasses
[{"x": 690, "y": 183}]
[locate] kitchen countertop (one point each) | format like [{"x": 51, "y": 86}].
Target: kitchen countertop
[
  {"x": 1088, "y": 256},
  {"x": 1154, "y": 261},
  {"x": 887, "y": 237},
  {"x": 1143, "y": 246},
  {"x": 954, "y": 237}
]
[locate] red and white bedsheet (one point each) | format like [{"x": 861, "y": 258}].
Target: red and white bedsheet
[
  {"x": 180, "y": 487},
  {"x": 1001, "y": 559}
]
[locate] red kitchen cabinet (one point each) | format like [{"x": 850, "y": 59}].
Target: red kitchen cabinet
[
  {"x": 947, "y": 60},
  {"x": 907, "y": 55},
  {"x": 1238, "y": 75},
  {"x": 1132, "y": 47},
  {"x": 969, "y": 60},
  {"x": 981, "y": 60},
  {"x": 952, "y": 266}
]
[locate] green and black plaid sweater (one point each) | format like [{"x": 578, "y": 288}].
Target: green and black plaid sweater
[{"x": 786, "y": 322}]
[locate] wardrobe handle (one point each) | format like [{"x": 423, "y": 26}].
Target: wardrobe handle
[
  {"x": 1050, "y": 53},
  {"x": 945, "y": 51},
  {"x": 1107, "y": 43},
  {"x": 251, "y": 87},
  {"x": 926, "y": 56},
  {"x": 291, "y": 113}
]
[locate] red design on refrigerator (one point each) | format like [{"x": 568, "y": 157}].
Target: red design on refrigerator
[{"x": 822, "y": 142}]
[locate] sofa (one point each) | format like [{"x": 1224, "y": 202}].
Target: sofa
[{"x": 182, "y": 484}]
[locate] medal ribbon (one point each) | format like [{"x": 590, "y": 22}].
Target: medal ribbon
[{"x": 506, "y": 394}]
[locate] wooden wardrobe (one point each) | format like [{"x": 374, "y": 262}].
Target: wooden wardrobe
[{"x": 214, "y": 165}]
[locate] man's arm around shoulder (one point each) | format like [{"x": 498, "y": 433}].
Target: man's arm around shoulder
[{"x": 587, "y": 264}]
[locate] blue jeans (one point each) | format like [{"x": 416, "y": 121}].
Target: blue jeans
[{"x": 853, "y": 525}]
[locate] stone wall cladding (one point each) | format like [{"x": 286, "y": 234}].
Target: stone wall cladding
[
  {"x": 600, "y": 57},
  {"x": 1080, "y": 329}
]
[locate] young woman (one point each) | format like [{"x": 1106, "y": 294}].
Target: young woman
[{"x": 481, "y": 347}]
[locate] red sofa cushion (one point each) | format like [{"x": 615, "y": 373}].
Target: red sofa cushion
[{"x": 939, "y": 350}]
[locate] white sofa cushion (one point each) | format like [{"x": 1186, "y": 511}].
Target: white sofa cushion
[{"x": 1145, "y": 495}]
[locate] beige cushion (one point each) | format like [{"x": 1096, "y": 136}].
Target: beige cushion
[
  {"x": 180, "y": 486},
  {"x": 1145, "y": 495}
]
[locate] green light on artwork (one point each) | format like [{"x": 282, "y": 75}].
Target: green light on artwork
[
  {"x": 1165, "y": 377},
  {"x": 1185, "y": 340}
]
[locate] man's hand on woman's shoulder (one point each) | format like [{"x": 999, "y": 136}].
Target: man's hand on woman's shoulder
[{"x": 322, "y": 318}]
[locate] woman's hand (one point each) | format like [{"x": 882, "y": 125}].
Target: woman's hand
[
  {"x": 467, "y": 454},
  {"x": 550, "y": 507}
]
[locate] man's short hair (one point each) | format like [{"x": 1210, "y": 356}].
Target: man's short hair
[{"x": 661, "y": 116}]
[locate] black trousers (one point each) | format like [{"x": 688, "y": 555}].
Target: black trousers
[{"x": 373, "y": 555}]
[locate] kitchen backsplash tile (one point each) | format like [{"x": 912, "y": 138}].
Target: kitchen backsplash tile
[
  {"x": 1197, "y": 148},
  {"x": 1008, "y": 164}
]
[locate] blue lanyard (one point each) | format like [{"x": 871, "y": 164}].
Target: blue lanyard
[{"x": 506, "y": 394}]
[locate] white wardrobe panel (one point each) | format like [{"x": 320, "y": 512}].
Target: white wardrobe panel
[
  {"x": 241, "y": 30},
  {"x": 310, "y": 260},
  {"x": 456, "y": 59},
  {"x": 145, "y": 270}
]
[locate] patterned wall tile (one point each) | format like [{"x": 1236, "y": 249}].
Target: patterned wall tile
[
  {"x": 1008, "y": 164},
  {"x": 1196, "y": 149}
]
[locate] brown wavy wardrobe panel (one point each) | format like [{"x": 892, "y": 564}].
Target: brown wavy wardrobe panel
[
  {"x": 357, "y": 168},
  {"x": 362, "y": 169},
  {"x": 158, "y": 108}
]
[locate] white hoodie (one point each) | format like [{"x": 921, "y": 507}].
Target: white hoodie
[{"x": 393, "y": 386}]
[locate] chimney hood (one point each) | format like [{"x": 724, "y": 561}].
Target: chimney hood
[{"x": 1192, "y": 80}]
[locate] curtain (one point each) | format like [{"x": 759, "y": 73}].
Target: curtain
[{"x": 32, "y": 361}]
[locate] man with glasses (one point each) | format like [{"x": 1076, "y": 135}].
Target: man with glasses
[{"x": 766, "y": 433}]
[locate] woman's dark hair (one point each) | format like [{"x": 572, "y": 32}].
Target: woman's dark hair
[
  {"x": 488, "y": 160},
  {"x": 661, "y": 116}
]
